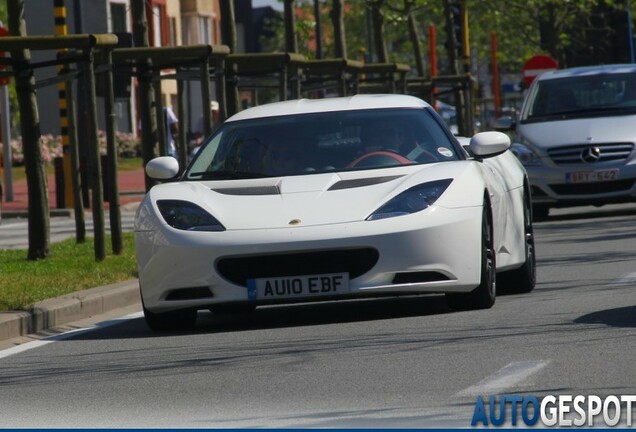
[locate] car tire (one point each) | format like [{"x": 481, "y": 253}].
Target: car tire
[
  {"x": 524, "y": 278},
  {"x": 482, "y": 297},
  {"x": 180, "y": 320},
  {"x": 540, "y": 212}
]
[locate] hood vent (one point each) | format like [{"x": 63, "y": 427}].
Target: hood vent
[
  {"x": 254, "y": 190},
  {"x": 354, "y": 183}
]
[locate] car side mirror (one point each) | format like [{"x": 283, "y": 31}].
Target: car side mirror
[
  {"x": 489, "y": 144},
  {"x": 162, "y": 168}
]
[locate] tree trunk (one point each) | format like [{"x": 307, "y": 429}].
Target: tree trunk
[
  {"x": 112, "y": 169},
  {"x": 377, "y": 17},
  {"x": 94, "y": 160},
  {"x": 147, "y": 117},
  {"x": 549, "y": 33},
  {"x": 414, "y": 37},
  {"x": 291, "y": 39},
  {"x": 337, "y": 17},
  {"x": 228, "y": 37},
  {"x": 39, "y": 222}
]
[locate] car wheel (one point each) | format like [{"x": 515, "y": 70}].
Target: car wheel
[
  {"x": 482, "y": 297},
  {"x": 179, "y": 320},
  {"x": 523, "y": 279},
  {"x": 540, "y": 212}
]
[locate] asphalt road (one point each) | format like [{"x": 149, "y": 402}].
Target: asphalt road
[{"x": 392, "y": 363}]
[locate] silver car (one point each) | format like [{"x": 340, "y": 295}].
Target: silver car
[{"x": 575, "y": 136}]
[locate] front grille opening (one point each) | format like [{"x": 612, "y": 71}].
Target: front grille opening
[
  {"x": 593, "y": 188},
  {"x": 607, "y": 152},
  {"x": 419, "y": 277},
  {"x": 356, "y": 262},
  {"x": 193, "y": 293},
  {"x": 537, "y": 192}
]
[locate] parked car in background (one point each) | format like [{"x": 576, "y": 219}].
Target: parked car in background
[
  {"x": 329, "y": 199},
  {"x": 576, "y": 135}
]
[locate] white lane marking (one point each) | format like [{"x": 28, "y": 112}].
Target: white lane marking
[
  {"x": 39, "y": 343},
  {"x": 627, "y": 279},
  {"x": 505, "y": 378}
]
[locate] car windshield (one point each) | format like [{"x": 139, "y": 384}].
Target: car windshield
[
  {"x": 584, "y": 95},
  {"x": 322, "y": 142}
]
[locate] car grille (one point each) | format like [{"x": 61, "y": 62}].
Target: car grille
[
  {"x": 356, "y": 262},
  {"x": 576, "y": 154},
  {"x": 419, "y": 277},
  {"x": 593, "y": 188}
]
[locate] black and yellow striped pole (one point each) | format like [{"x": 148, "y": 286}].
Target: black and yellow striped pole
[{"x": 62, "y": 30}]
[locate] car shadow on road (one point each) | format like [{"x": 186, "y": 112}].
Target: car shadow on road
[
  {"x": 618, "y": 317},
  {"x": 336, "y": 312},
  {"x": 293, "y": 315}
]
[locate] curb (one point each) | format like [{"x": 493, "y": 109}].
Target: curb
[{"x": 68, "y": 308}]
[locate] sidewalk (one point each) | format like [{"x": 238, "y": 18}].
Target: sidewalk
[
  {"x": 131, "y": 191},
  {"x": 56, "y": 312}
]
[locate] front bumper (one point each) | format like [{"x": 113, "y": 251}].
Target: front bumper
[
  {"x": 436, "y": 250},
  {"x": 552, "y": 186}
]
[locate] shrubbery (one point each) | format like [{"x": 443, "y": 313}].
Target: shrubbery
[{"x": 127, "y": 146}]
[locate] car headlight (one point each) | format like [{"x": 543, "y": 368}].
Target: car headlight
[
  {"x": 188, "y": 216},
  {"x": 526, "y": 155},
  {"x": 412, "y": 200}
]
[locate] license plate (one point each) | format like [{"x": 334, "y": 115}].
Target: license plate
[
  {"x": 591, "y": 176},
  {"x": 288, "y": 287}
]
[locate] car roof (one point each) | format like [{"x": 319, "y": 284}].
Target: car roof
[
  {"x": 587, "y": 70},
  {"x": 307, "y": 106}
]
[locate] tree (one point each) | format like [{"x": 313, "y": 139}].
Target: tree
[{"x": 525, "y": 28}]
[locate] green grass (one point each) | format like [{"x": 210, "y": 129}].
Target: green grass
[{"x": 71, "y": 267}]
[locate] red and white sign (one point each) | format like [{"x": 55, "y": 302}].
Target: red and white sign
[{"x": 537, "y": 65}]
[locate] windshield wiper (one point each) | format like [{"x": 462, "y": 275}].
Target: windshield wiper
[{"x": 225, "y": 175}]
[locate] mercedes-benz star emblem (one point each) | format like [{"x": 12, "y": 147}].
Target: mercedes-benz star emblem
[{"x": 591, "y": 154}]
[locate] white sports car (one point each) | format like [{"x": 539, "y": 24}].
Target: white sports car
[{"x": 310, "y": 200}]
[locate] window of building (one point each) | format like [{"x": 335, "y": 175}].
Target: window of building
[
  {"x": 172, "y": 35},
  {"x": 118, "y": 18},
  {"x": 156, "y": 26},
  {"x": 205, "y": 30}
]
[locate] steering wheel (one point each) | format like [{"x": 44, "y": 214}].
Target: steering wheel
[{"x": 380, "y": 158}]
